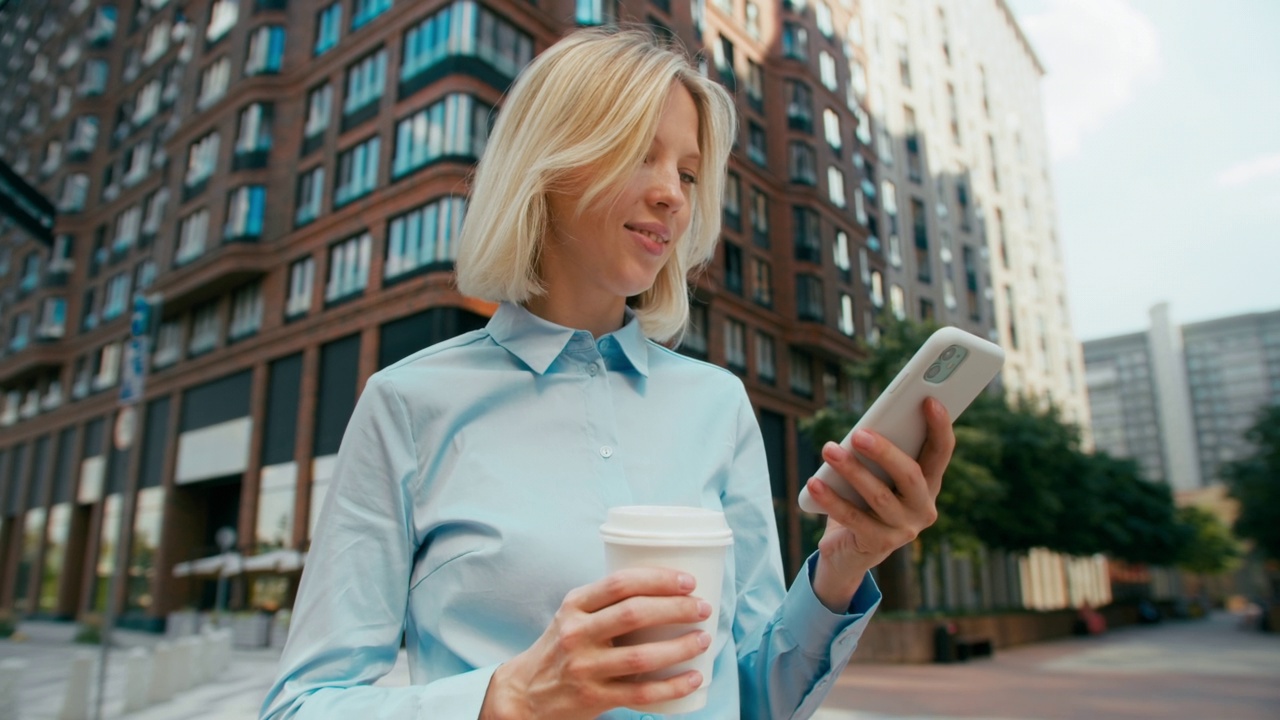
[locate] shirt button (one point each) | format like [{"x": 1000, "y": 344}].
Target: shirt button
[
  {"x": 606, "y": 451},
  {"x": 592, "y": 369}
]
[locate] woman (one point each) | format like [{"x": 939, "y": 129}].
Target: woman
[{"x": 474, "y": 475}]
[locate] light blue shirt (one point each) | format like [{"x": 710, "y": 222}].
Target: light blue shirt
[{"x": 467, "y": 500}]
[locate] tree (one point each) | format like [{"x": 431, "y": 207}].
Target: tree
[
  {"x": 1212, "y": 548},
  {"x": 1019, "y": 479},
  {"x": 1255, "y": 482}
]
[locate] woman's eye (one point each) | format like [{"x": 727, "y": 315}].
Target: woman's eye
[{"x": 689, "y": 178}]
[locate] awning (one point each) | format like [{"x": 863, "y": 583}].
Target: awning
[
  {"x": 224, "y": 565},
  {"x": 275, "y": 561}
]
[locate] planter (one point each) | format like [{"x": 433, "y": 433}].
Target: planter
[{"x": 250, "y": 631}]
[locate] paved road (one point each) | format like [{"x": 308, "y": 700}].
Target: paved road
[
  {"x": 1192, "y": 669},
  {"x": 1199, "y": 669}
]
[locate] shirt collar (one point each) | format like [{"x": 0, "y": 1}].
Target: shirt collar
[{"x": 538, "y": 342}]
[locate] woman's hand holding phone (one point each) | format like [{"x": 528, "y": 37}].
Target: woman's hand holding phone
[{"x": 857, "y": 540}]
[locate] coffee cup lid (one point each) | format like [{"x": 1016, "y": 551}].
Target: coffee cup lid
[{"x": 666, "y": 524}]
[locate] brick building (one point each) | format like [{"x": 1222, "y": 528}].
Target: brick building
[{"x": 280, "y": 183}]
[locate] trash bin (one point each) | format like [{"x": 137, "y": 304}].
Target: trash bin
[{"x": 944, "y": 643}]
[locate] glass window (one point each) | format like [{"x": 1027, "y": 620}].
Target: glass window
[
  {"x": 357, "y": 172},
  {"x": 809, "y": 299},
  {"x": 246, "y": 311},
  {"x": 348, "y": 267},
  {"x": 366, "y": 80},
  {"x": 425, "y": 236},
  {"x": 762, "y": 282},
  {"x": 803, "y": 164},
  {"x": 310, "y": 195},
  {"x": 328, "y": 28},
  {"x": 246, "y": 210},
  {"x": 735, "y": 345},
  {"x": 801, "y": 373},
  {"x": 846, "y": 314},
  {"x": 766, "y": 358},
  {"x": 148, "y": 515},
  {"x": 206, "y": 327},
  {"x": 117, "y": 296},
  {"x": 193, "y": 232},
  {"x": 255, "y": 128},
  {"x": 456, "y": 126},
  {"x": 266, "y": 51},
  {"x": 808, "y": 235},
  {"x": 795, "y": 41},
  {"x": 835, "y": 187},
  {"x": 319, "y": 104},
  {"x": 827, "y": 71},
  {"x": 799, "y": 106},
  {"x": 367, "y": 10},
  {"x": 732, "y": 268},
  {"x": 301, "y": 281},
  {"x": 213, "y": 83},
  {"x": 756, "y": 145},
  {"x": 222, "y": 17},
  {"x": 694, "y": 341}
]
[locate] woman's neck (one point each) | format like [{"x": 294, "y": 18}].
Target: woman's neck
[{"x": 598, "y": 316}]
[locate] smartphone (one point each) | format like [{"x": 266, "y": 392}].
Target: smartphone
[{"x": 952, "y": 366}]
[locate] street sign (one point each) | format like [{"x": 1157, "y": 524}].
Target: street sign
[
  {"x": 137, "y": 351},
  {"x": 133, "y": 375}
]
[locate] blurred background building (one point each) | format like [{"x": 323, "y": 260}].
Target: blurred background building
[
  {"x": 1179, "y": 399},
  {"x": 257, "y": 204}
]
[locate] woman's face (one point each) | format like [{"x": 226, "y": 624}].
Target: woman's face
[{"x": 612, "y": 252}]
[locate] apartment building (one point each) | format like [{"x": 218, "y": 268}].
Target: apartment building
[
  {"x": 257, "y": 207},
  {"x": 964, "y": 183},
  {"x": 1179, "y": 399}
]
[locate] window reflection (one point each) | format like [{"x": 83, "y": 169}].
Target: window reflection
[
  {"x": 106, "y": 551},
  {"x": 32, "y": 533},
  {"x": 54, "y": 557},
  {"x": 142, "y": 555}
]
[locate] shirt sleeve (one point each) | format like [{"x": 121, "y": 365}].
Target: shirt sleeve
[
  {"x": 350, "y": 612},
  {"x": 791, "y": 648}
]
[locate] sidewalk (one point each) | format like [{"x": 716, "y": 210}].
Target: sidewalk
[{"x": 1205, "y": 669}]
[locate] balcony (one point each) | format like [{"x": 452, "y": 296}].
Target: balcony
[
  {"x": 219, "y": 270},
  {"x": 30, "y": 363}
]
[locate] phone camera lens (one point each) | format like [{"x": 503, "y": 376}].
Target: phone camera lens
[
  {"x": 933, "y": 371},
  {"x": 949, "y": 353}
]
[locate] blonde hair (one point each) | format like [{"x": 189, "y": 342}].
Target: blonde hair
[{"x": 592, "y": 100}]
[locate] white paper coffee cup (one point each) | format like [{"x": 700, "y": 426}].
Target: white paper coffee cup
[{"x": 688, "y": 539}]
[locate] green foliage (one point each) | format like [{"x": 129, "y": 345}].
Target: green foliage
[
  {"x": 7, "y": 625},
  {"x": 90, "y": 630},
  {"x": 1213, "y": 549},
  {"x": 1255, "y": 482},
  {"x": 1019, "y": 479}
]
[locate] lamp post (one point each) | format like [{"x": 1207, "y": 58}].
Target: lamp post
[{"x": 226, "y": 539}]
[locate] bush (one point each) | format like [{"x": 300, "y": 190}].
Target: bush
[
  {"x": 89, "y": 631},
  {"x": 7, "y": 625}
]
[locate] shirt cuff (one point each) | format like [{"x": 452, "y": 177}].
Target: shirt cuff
[
  {"x": 459, "y": 696},
  {"x": 811, "y": 625}
]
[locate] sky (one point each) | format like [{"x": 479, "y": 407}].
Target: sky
[{"x": 1164, "y": 127}]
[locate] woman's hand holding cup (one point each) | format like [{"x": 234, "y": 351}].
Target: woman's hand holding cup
[{"x": 574, "y": 670}]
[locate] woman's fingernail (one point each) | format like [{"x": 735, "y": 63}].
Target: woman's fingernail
[
  {"x": 687, "y": 582},
  {"x": 704, "y": 639},
  {"x": 695, "y": 678},
  {"x": 863, "y": 439},
  {"x": 704, "y": 609}
]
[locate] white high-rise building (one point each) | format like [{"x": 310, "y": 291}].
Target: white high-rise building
[{"x": 954, "y": 88}]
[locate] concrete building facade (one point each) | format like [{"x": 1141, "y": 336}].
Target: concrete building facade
[
  {"x": 964, "y": 159},
  {"x": 1179, "y": 399}
]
